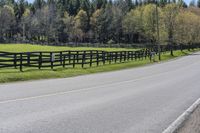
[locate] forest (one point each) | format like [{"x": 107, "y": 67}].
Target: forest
[{"x": 100, "y": 21}]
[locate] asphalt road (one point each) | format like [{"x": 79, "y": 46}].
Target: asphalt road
[{"x": 140, "y": 100}]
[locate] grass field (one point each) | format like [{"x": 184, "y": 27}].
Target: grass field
[
  {"x": 11, "y": 75},
  {"x": 31, "y": 48}
]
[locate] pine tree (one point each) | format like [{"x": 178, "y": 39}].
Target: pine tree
[
  {"x": 19, "y": 9},
  {"x": 136, "y": 3},
  {"x": 110, "y": 2},
  {"x": 2, "y": 3},
  {"x": 198, "y": 3},
  {"x": 129, "y": 4},
  {"x": 182, "y": 3},
  {"x": 51, "y": 1},
  {"x": 163, "y": 2},
  {"x": 39, "y": 4},
  {"x": 169, "y": 1},
  {"x": 62, "y": 7},
  {"x": 10, "y": 2},
  {"x": 192, "y": 3},
  {"x": 85, "y": 5},
  {"x": 98, "y": 4}
]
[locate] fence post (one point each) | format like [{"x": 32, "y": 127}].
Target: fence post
[
  {"x": 110, "y": 57},
  {"x": 145, "y": 53},
  {"x": 116, "y": 54},
  {"x": 128, "y": 55},
  {"x": 15, "y": 61},
  {"x": 91, "y": 56},
  {"x": 21, "y": 62},
  {"x": 69, "y": 55},
  {"x": 124, "y": 55},
  {"x": 83, "y": 59},
  {"x": 40, "y": 60},
  {"x": 135, "y": 55},
  {"x": 132, "y": 53},
  {"x": 104, "y": 57},
  {"x": 139, "y": 55},
  {"x": 97, "y": 58},
  {"x": 77, "y": 56},
  {"x": 150, "y": 56},
  {"x": 120, "y": 56},
  {"x": 61, "y": 61},
  {"x": 51, "y": 57},
  {"x": 64, "y": 58},
  {"x": 112, "y": 53},
  {"x": 28, "y": 59},
  {"x": 74, "y": 60}
]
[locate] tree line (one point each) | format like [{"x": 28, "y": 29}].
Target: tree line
[{"x": 100, "y": 21}]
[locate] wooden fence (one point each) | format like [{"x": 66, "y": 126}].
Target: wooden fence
[
  {"x": 68, "y": 58},
  {"x": 82, "y": 59}
]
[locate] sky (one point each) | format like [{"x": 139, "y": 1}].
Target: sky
[{"x": 187, "y": 1}]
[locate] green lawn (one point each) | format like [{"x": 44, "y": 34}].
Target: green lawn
[
  {"x": 11, "y": 75},
  {"x": 31, "y": 48}
]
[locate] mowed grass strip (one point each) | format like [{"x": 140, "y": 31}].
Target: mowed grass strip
[{"x": 12, "y": 75}]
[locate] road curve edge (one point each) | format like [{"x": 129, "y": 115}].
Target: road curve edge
[{"x": 182, "y": 118}]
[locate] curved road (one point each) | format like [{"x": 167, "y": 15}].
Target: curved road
[{"x": 140, "y": 100}]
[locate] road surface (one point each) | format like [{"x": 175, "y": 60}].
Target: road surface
[{"x": 140, "y": 100}]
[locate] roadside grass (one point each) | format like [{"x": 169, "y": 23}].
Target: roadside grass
[{"x": 12, "y": 75}]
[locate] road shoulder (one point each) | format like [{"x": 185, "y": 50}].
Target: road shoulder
[{"x": 188, "y": 122}]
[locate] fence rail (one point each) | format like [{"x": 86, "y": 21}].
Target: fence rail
[
  {"x": 82, "y": 59},
  {"x": 67, "y": 58}
]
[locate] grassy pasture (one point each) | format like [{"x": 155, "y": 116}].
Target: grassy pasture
[
  {"x": 35, "y": 48},
  {"x": 11, "y": 74}
]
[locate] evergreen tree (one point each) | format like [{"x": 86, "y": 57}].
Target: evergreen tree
[
  {"x": 136, "y": 3},
  {"x": 163, "y": 2},
  {"x": 51, "y": 2},
  {"x": 85, "y": 5},
  {"x": 19, "y": 9},
  {"x": 2, "y": 3},
  {"x": 192, "y": 3},
  {"x": 198, "y": 3},
  {"x": 110, "y": 2},
  {"x": 182, "y": 3},
  {"x": 74, "y": 6},
  {"x": 10, "y": 2},
  {"x": 98, "y": 4},
  {"x": 38, "y": 4},
  {"x": 129, "y": 4},
  {"x": 61, "y": 4}
]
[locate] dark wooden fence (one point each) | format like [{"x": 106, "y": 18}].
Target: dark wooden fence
[
  {"x": 73, "y": 59},
  {"x": 68, "y": 58}
]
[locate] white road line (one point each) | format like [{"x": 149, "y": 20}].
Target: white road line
[{"x": 79, "y": 90}]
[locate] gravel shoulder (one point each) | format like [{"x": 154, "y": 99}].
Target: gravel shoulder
[{"x": 192, "y": 124}]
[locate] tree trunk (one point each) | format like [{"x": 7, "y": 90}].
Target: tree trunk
[
  {"x": 171, "y": 50},
  {"x": 189, "y": 46}
]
